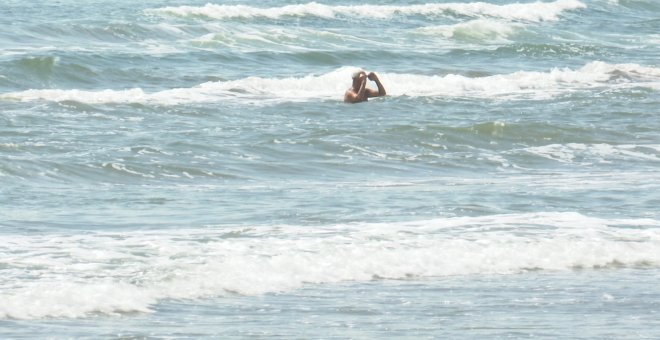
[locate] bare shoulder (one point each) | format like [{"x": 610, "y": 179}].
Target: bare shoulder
[{"x": 349, "y": 95}]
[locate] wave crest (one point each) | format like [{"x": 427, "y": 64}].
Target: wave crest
[
  {"x": 479, "y": 30},
  {"x": 331, "y": 86},
  {"x": 537, "y": 11},
  {"x": 109, "y": 273}
]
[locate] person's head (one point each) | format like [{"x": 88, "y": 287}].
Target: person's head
[{"x": 357, "y": 78}]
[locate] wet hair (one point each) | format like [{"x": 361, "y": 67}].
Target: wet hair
[{"x": 356, "y": 74}]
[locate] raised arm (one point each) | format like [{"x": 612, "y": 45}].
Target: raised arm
[{"x": 381, "y": 89}]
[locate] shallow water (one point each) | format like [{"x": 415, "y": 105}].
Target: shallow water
[{"x": 182, "y": 169}]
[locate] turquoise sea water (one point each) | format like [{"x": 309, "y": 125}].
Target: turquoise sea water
[{"x": 187, "y": 169}]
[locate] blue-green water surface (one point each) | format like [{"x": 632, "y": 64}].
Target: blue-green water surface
[{"x": 188, "y": 169}]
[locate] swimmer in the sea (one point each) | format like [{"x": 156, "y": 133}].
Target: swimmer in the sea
[{"x": 359, "y": 91}]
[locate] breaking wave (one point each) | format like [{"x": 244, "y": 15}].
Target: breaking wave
[
  {"x": 104, "y": 272},
  {"x": 331, "y": 86},
  {"x": 535, "y": 12}
]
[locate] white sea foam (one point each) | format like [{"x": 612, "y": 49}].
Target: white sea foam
[
  {"x": 587, "y": 154},
  {"x": 537, "y": 11},
  {"x": 331, "y": 86},
  {"x": 76, "y": 275}
]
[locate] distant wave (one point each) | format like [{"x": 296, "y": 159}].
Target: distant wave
[
  {"x": 478, "y": 29},
  {"x": 537, "y": 11},
  {"x": 331, "y": 86},
  {"x": 114, "y": 273}
]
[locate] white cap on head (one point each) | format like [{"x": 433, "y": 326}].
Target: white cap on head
[{"x": 356, "y": 74}]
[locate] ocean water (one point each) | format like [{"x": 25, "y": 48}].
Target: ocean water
[{"x": 187, "y": 169}]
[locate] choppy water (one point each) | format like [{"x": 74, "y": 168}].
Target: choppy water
[{"x": 184, "y": 169}]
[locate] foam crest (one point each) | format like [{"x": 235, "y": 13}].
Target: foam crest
[
  {"x": 537, "y": 11},
  {"x": 587, "y": 154},
  {"x": 78, "y": 275},
  {"x": 331, "y": 86},
  {"x": 525, "y": 84}
]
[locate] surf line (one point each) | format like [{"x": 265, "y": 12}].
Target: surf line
[{"x": 536, "y": 11}]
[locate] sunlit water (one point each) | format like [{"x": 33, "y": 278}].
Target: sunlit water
[{"x": 188, "y": 169}]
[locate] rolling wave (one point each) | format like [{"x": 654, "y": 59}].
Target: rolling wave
[
  {"x": 46, "y": 69},
  {"x": 535, "y": 12},
  {"x": 331, "y": 86},
  {"x": 111, "y": 273},
  {"x": 474, "y": 30}
]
